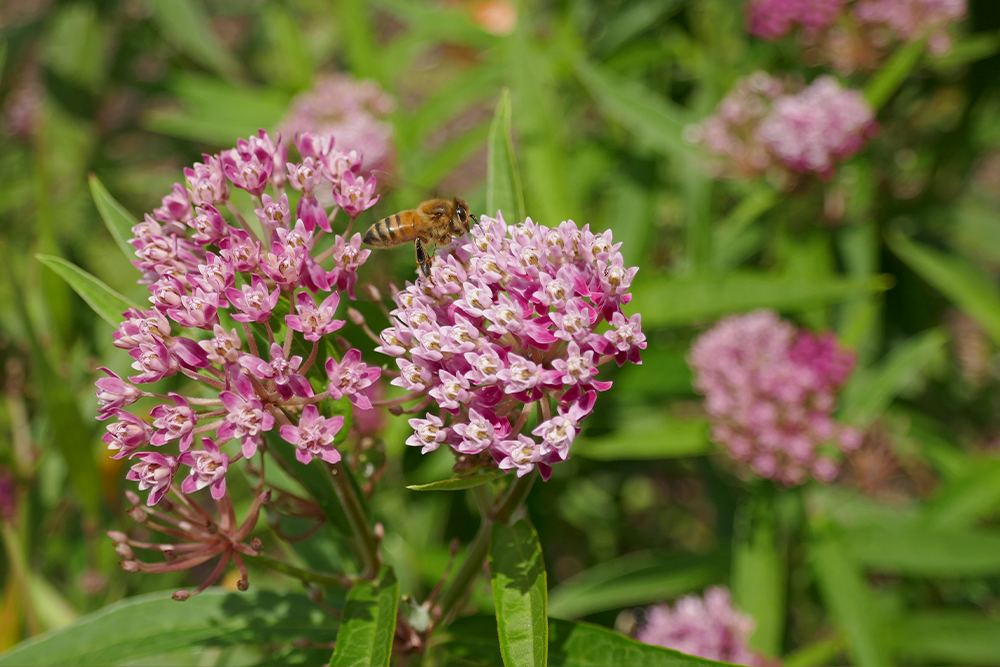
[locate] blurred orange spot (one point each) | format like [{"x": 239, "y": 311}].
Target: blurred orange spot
[{"x": 495, "y": 16}]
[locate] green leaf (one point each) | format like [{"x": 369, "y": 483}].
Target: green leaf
[
  {"x": 648, "y": 437},
  {"x": 920, "y": 551},
  {"x": 150, "y": 625},
  {"x": 520, "y": 593},
  {"x": 969, "y": 49},
  {"x": 185, "y": 24},
  {"x": 118, "y": 220},
  {"x": 106, "y": 302},
  {"x": 948, "y": 637},
  {"x": 638, "y": 578},
  {"x": 968, "y": 287},
  {"x": 472, "y": 640},
  {"x": 967, "y": 497},
  {"x": 369, "y": 623},
  {"x": 847, "y": 597},
  {"x": 871, "y": 391},
  {"x": 759, "y": 565},
  {"x": 503, "y": 181},
  {"x": 654, "y": 120},
  {"x": 686, "y": 301},
  {"x": 891, "y": 75},
  {"x": 459, "y": 483}
]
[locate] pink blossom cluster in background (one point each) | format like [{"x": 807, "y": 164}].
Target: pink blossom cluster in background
[
  {"x": 772, "y": 19},
  {"x": 353, "y": 112},
  {"x": 709, "y": 627},
  {"x": 910, "y": 20},
  {"x": 770, "y": 392},
  {"x": 759, "y": 127},
  {"x": 508, "y": 332},
  {"x": 207, "y": 266}
]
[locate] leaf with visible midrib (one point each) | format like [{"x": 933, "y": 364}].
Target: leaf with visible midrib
[
  {"x": 503, "y": 182},
  {"x": 369, "y": 623},
  {"x": 520, "y": 593},
  {"x": 459, "y": 483},
  {"x": 106, "y": 302},
  {"x": 118, "y": 220}
]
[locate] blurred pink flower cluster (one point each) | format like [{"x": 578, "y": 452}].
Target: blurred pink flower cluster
[
  {"x": 506, "y": 325},
  {"x": 353, "y": 112},
  {"x": 709, "y": 627},
  {"x": 212, "y": 272},
  {"x": 760, "y": 127},
  {"x": 857, "y": 35},
  {"x": 770, "y": 393}
]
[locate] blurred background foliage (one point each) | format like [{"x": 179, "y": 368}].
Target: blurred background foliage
[{"x": 897, "y": 561}]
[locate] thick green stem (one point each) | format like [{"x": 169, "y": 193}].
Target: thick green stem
[
  {"x": 515, "y": 497},
  {"x": 366, "y": 542},
  {"x": 311, "y": 576}
]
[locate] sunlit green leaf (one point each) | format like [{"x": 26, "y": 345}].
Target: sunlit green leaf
[
  {"x": 759, "y": 569},
  {"x": 118, "y": 220},
  {"x": 186, "y": 25},
  {"x": 503, "y": 181},
  {"x": 369, "y": 623},
  {"x": 891, "y": 75},
  {"x": 950, "y": 637},
  {"x": 520, "y": 594},
  {"x": 106, "y": 302},
  {"x": 459, "y": 483},
  {"x": 962, "y": 500},
  {"x": 919, "y": 550}
]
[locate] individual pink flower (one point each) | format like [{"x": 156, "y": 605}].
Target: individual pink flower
[
  {"x": 428, "y": 434},
  {"x": 288, "y": 383},
  {"x": 478, "y": 434},
  {"x": 626, "y": 337},
  {"x": 207, "y": 182},
  {"x": 153, "y": 361},
  {"x": 354, "y": 194},
  {"x": 155, "y": 472},
  {"x": 275, "y": 214},
  {"x": 313, "y": 436},
  {"x": 176, "y": 206},
  {"x": 114, "y": 393},
  {"x": 224, "y": 347},
  {"x": 241, "y": 250},
  {"x": 174, "y": 422},
  {"x": 127, "y": 435},
  {"x": 350, "y": 376},
  {"x": 253, "y": 301},
  {"x": 246, "y": 420},
  {"x": 208, "y": 466},
  {"x": 348, "y": 257},
  {"x": 209, "y": 226},
  {"x": 314, "y": 321},
  {"x": 249, "y": 165}
]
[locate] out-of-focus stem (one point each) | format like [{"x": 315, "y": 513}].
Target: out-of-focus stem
[
  {"x": 367, "y": 544},
  {"x": 311, "y": 576}
]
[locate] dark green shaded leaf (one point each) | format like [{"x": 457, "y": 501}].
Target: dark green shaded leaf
[
  {"x": 118, "y": 220},
  {"x": 918, "y": 550},
  {"x": 369, "y": 623},
  {"x": 459, "y": 483},
  {"x": 185, "y": 24},
  {"x": 520, "y": 593},
  {"x": 655, "y": 436},
  {"x": 948, "y": 637},
  {"x": 635, "y": 579},
  {"x": 891, "y": 75},
  {"x": 503, "y": 181},
  {"x": 106, "y": 302},
  {"x": 967, "y": 497},
  {"x": 149, "y": 625}
]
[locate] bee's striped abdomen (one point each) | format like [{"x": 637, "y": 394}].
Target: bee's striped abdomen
[{"x": 391, "y": 231}]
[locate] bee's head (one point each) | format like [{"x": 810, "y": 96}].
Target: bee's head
[{"x": 462, "y": 221}]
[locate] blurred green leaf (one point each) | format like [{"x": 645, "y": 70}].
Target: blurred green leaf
[
  {"x": 106, "y": 302},
  {"x": 149, "y": 625},
  {"x": 359, "y": 38},
  {"x": 921, "y": 551},
  {"x": 633, "y": 20},
  {"x": 648, "y": 437},
  {"x": 891, "y": 75},
  {"x": 76, "y": 48},
  {"x": 185, "y": 24},
  {"x": 948, "y": 637},
  {"x": 428, "y": 168},
  {"x": 116, "y": 218},
  {"x": 369, "y": 623},
  {"x": 687, "y": 301},
  {"x": 459, "y": 483},
  {"x": 520, "y": 593},
  {"x": 956, "y": 278},
  {"x": 759, "y": 569},
  {"x": 968, "y": 49},
  {"x": 503, "y": 181},
  {"x": 967, "y": 497},
  {"x": 289, "y": 63},
  {"x": 639, "y": 578},
  {"x": 870, "y": 391}
]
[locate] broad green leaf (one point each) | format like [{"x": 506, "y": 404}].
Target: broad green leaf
[
  {"x": 686, "y": 301},
  {"x": 118, "y": 220},
  {"x": 654, "y": 120},
  {"x": 106, "y": 302},
  {"x": 948, "y": 637},
  {"x": 759, "y": 565},
  {"x": 636, "y": 579},
  {"x": 967, "y": 497},
  {"x": 369, "y": 623},
  {"x": 850, "y": 602},
  {"x": 891, "y": 75},
  {"x": 650, "y": 437},
  {"x": 503, "y": 181},
  {"x": 920, "y": 551},
  {"x": 459, "y": 483},
  {"x": 472, "y": 641},
  {"x": 969, "y": 288},
  {"x": 871, "y": 391},
  {"x": 520, "y": 593},
  {"x": 185, "y": 24},
  {"x": 150, "y": 625}
]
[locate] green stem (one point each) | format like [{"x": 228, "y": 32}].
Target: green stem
[
  {"x": 311, "y": 576},
  {"x": 515, "y": 497},
  {"x": 366, "y": 542}
]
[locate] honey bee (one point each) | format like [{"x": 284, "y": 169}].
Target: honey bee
[{"x": 433, "y": 221}]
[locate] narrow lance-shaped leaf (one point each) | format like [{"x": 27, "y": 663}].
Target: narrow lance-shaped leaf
[
  {"x": 369, "y": 623},
  {"x": 503, "y": 181},
  {"x": 520, "y": 593},
  {"x": 949, "y": 637},
  {"x": 458, "y": 483},
  {"x": 118, "y": 220},
  {"x": 106, "y": 302},
  {"x": 891, "y": 76},
  {"x": 759, "y": 569},
  {"x": 186, "y": 25}
]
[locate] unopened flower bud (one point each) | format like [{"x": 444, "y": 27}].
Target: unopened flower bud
[
  {"x": 379, "y": 531},
  {"x": 373, "y": 293},
  {"x": 129, "y": 565},
  {"x": 117, "y": 536},
  {"x": 138, "y": 514},
  {"x": 181, "y": 595},
  {"x": 242, "y": 585},
  {"x": 132, "y": 497},
  {"x": 396, "y": 410},
  {"x": 169, "y": 554},
  {"x": 256, "y": 544},
  {"x": 265, "y": 497},
  {"x": 356, "y": 317},
  {"x": 125, "y": 551}
]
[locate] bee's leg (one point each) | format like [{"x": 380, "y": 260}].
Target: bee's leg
[{"x": 422, "y": 259}]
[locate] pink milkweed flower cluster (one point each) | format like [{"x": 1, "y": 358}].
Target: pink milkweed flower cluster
[
  {"x": 352, "y": 111},
  {"x": 772, "y": 19},
  {"x": 761, "y": 127},
  {"x": 770, "y": 393},
  {"x": 709, "y": 627},
  {"x": 212, "y": 275},
  {"x": 516, "y": 320}
]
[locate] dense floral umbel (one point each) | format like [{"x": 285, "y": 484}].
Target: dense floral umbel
[
  {"x": 708, "y": 627},
  {"x": 517, "y": 320},
  {"x": 760, "y": 127},
  {"x": 770, "y": 391},
  {"x": 772, "y": 19}
]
